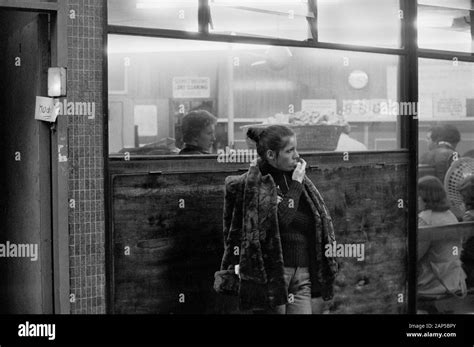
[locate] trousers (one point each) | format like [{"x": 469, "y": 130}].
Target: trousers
[{"x": 297, "y": 280}]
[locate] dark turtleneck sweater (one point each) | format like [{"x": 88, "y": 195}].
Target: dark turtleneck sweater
[{"x": 294, "y": 217}]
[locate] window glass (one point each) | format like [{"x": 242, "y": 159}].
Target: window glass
[
  {"x": 446, "y": 93},
  {"x": 163, "y": 14},
  {"x": 445, "y": 25},
  {"x": 445, "y": 194},
  {"x": 155, "y": 82},
  {"x": 357, "y": 22},
  {"x": 287, "y": 19},
  {"x": 360, "y": 22}
]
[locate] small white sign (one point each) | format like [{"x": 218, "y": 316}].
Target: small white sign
[
  {"x": 323, "y": 106},
  {"x": 449, "y": 106},
  {"x": 46, "y": 109},
  {"x": 191, "y": 87}
]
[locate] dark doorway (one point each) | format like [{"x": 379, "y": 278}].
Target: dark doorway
[{"x": 26, "y": 284}]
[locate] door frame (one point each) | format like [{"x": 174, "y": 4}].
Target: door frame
[{"x": 59, "y": 169}]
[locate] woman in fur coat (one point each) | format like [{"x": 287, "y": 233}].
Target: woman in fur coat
[{"x": 276, "y": 226}]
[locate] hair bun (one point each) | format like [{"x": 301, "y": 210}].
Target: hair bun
[{"x": 254, "y": 133}]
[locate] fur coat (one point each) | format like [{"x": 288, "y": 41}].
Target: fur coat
[{"x": 252, "y": 240}]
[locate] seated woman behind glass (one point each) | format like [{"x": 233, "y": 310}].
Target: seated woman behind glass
[
  {"x": 439, "y": 267},
  {"x": 466, "y": 189},
  {"x": 198, "y": 128}
]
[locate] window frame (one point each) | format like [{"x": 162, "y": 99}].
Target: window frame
[{"x": 407, "y": 127}]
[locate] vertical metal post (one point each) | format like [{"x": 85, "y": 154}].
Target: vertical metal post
[
  {"x": 409, "y": 136},
  {"x": 60, "y": 174},
  {"x": 313, "y": 22},
  {"x": 204, "y": 15},
  {"x": 472, "y": 25},
  {"x": 230, "y": 97},
  {"x": 108, "y": 237}
]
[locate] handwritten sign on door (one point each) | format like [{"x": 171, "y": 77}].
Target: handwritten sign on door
[{"x": 45, "y": 109}]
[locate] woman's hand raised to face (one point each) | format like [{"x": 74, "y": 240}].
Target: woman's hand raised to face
[{"x": 300, "y": 171}]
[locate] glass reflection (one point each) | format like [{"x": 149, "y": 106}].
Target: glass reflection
[
  {"x": 333, "y": 100},
  {"x": 445, "y": 25}
]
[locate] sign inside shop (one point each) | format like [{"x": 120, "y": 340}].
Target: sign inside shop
[{"x": 191, "y": 87}]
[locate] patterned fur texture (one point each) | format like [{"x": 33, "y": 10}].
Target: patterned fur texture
[{"x": 252, "y": 240}]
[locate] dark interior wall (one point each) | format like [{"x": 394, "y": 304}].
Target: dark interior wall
[
  {"x": 309, "y": 74},
  {"x": 25, "y": 176},
  {"x": 259, "y": 90},
  {"x": 150, "y": 75}
]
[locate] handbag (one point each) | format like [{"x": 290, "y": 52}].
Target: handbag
[{"x": 226, "y": 282}]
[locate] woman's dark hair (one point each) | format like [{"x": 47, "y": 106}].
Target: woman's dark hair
[
  {"x": 195, "y": 122},
  {"x": 271, "y": 137},
  {"x": 448, "y": 133},
  {"x": 431, "y": 191}
]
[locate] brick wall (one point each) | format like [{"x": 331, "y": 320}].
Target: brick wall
[{"x": 85, "y": 156}]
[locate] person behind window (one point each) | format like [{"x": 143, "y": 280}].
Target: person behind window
[
  {"x": 443, "y": 141},
  {"x": 466, "y": 189},
  {"x": 440, "y": 273},
  {"x": 279, "y": 219},
  {"x": 198, "y": 128},
  {"x": 347, "y": 143}
]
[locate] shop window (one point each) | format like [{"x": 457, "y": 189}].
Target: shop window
[
  {"x": 163, "y": 14},
  {"x": 154, "y": 82},
  {"x": 445, "y": 25},
  {"x": 446, "y": 93},
  {"x": 361, "y": 22},
  {"x": 446, "y": 161},
  {"x": 285, "y": 19},
  {"x": 357, "y": 22}
]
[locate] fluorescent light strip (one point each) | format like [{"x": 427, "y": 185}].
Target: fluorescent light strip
[
  {"x": 256, "y": 2},
  {"x": 126, "y": 44},
  {"x": 151, "y": 4}
]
